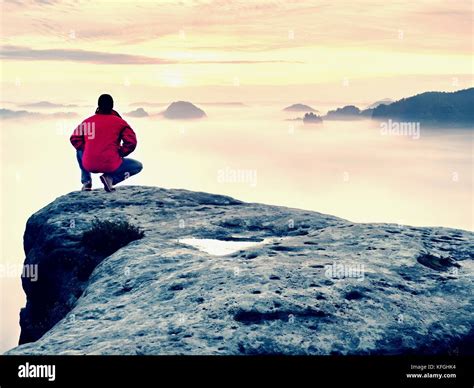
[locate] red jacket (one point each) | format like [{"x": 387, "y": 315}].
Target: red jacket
[{"x": 105, "y": 140}]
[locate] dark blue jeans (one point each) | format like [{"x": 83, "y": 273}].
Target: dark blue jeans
[{"x": 128, "y": 168}]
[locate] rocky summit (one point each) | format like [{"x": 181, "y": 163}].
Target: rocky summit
[{"x": 305, "y": 282}]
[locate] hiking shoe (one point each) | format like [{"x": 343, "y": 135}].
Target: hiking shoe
[
  {"x": 87, "y": 186},
  {"x": 107, "y": 182}
]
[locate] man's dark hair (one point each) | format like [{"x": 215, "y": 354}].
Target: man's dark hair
[{"x": 106, "y": 104}]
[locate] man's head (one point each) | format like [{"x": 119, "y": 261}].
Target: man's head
[{"x": 106, "y": 104}]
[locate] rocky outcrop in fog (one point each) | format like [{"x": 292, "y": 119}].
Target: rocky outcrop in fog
[{"x": 310, "y": 284}]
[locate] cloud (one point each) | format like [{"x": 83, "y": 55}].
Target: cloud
[
  {"x": 243, "y": 62},
  {"x": 46, "y": 104},
  {"x": 6, "y": 114},
  {"x": 445, "y": 26},
  {"x": 61, "y": 115},
  {"x": 150, "y": 104},
  {"x": 230, "y": 103},
  {"x": 98, "y": 57},
  {"x": 29, "y": 3},
  {"x": 75, "y": 55},
  {"x": 209, "y": 103}
]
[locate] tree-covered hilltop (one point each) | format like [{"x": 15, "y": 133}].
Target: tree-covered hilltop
[
  {"x": 348, "y": 112},
  {"x": 434, "y": 107},
  {"x": 311, "y": 118}
]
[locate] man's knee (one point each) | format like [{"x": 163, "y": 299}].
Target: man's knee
[
  {"x": 138, "y": 167},
  {"x": 135, "y": 168}
]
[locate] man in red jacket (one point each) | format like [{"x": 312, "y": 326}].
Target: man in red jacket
[{"x": 102, "y": 141}]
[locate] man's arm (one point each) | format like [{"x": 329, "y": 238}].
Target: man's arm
[
  {"x": 129, "y": 141},
  {"x": 77, "y": 138}
]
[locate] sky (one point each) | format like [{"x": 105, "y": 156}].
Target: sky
[{"x": 222, "y": 50}]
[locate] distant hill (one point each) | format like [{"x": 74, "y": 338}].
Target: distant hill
[
  {"x": 183, "y": 110},
  {"x": 16, "y": 114},
  {"x": 139, "y": 112},
  {"x": 366, "y": 113},
  {"x": 431, "y": 107},
  {"x": 385, "y": 101},
  {"x": 349, "y": 112},
  {"x": 299, "y": 108}
]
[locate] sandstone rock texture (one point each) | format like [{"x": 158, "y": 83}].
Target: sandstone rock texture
[{"x": 311, "y": 284}]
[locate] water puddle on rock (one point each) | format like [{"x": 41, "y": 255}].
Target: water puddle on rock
[{"x": 223, "y": 247}]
